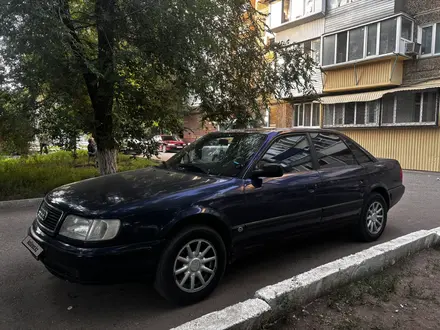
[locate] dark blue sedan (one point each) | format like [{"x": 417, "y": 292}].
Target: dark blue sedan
[{"x": 184, "y": 221}]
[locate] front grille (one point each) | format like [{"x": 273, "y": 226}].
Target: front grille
[{"x": 48, "y": 217}]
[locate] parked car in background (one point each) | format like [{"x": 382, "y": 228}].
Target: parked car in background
[
  {"x": 211, "y": 203},
  {"x": 169, "y": 143}
]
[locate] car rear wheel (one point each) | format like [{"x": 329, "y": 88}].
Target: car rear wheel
[
  {"x": 191, "y": 265},
  {"x": 373, "y": 218}
]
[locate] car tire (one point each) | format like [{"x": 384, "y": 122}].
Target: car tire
[
  {"x": 373, "y": 219},
  {"x": 164, "y": 149},
  {"x": 184, "y": 286}
]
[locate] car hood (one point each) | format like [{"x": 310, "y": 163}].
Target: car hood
[{"x": 103, "y": 194}]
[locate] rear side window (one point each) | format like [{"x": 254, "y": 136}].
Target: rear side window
[
  {"x": 359, "y": 154},
  {"x": 332, "y": 150}
]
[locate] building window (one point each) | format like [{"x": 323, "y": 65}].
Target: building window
[
  {"x": 387, "y": 39},
  {"x": 331, "y": 4},
  {"x": 381, "y": 38},
  {"x": 329, "y": 50},
  {"x": 431, "y": 39},
  {"x": 306, "y": 114},
  {"x": 341, "y": 47},
  {"x": 356, "y": 44},
  {"x": 427, "y": 40},
  {"x": 313, "y": 48},
  {"x": 406, "y": 108},
  {"x": 437, "y": 39},
  {"x": 286, "y": 11},
  {"x": 352, "y": 114},
  {"x": 407, "y": 27},
  {"x": 372, "y": 40}
]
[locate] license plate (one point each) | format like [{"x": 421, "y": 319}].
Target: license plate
[
  {"x": 179, "y": 147},
  {"x": 32, "y": 246}
]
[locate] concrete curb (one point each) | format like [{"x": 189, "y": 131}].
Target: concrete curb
[
  {"x": 274, "y": 300},
  {"x": 20, "y": 203}
]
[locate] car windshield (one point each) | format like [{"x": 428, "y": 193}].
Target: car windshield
[
  {"x": 218, "y": 153},
  {"x": 170, "y": 138}
]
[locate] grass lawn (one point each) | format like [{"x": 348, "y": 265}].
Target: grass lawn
[{"x": 34, "y": 176}]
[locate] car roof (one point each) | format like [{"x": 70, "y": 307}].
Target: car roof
[{"x": 268, "y": 130}]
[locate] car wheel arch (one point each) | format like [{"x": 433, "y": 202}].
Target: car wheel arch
[
  {"x": 383, "y": 192},
  {"x": 204, "y": 219}
]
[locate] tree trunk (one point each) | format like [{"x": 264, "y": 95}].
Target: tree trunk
[
  {"x": 107, "y": 161},
  {"x": 102, "y": 95},
  {"x": 99, "y": 86}
]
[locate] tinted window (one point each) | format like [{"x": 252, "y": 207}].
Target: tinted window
[
  {"x": 332, "y": 151},
  {"x": 359, "y": 154},
  {"x": 291, "y": 152}
]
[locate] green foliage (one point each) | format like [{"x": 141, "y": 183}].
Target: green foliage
[
  {"x": 117, "y": 68},
  {"x": 36, "y": 175},
  {"x": 16, "y": 122}
]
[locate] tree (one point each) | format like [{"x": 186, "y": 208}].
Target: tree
[
  {"x": 140, "y": 61},
  {"x": 17, "y": 121}
]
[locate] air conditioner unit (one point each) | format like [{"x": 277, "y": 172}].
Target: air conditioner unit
[{"x": 412, "y": 48}]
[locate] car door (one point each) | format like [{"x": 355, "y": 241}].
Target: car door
[
  {"x": 343, "y": 179},
  {"x": 283, "y": 205}
]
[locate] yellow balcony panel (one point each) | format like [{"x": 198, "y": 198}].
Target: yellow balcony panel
[{"x": 357, "y": 76}]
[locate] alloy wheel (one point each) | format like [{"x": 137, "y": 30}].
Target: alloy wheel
[
  {"x": 375, "y": 217},
  {"x": 195, "y": 266}
]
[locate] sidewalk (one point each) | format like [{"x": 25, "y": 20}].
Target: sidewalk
[{"x": 403, "y": 297}]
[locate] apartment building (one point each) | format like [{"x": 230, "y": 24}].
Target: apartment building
[{"x": 378, "y": 77}]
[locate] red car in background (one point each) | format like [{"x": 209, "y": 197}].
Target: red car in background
[{"x": 169, "y": 143}]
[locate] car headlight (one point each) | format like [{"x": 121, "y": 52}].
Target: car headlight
[{"x": 89, "y": 229}]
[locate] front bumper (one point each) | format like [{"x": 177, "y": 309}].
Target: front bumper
[{"x": 96, "y": 265}]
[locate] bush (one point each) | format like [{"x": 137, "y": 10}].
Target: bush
[{"x": 35, "y": 176}]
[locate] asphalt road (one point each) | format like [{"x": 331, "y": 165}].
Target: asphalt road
[{"x": 31, "y": 298}]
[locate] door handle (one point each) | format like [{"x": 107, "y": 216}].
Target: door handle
[{"x": 312, "y": 188}]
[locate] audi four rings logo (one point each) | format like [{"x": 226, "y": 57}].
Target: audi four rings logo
[{"x": 42, "y": 214}]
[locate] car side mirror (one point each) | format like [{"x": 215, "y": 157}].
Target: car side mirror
[{"x": 268, "y": 171}]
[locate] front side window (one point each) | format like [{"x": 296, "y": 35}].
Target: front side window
[
  {"x": 410, "y": 108},
  {"x": 388, "y": 36},
  {"x": 218, "y": 154},
  {"x": 332, "y": 151},
  {"x": 291, "y": 152}
]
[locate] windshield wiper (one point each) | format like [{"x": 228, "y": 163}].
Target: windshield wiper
[{"x": 192, "y": 166}]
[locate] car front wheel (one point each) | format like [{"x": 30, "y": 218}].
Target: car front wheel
[
  {"x": 191, "y": 265},
  {"x": 373, "y": 218}
]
